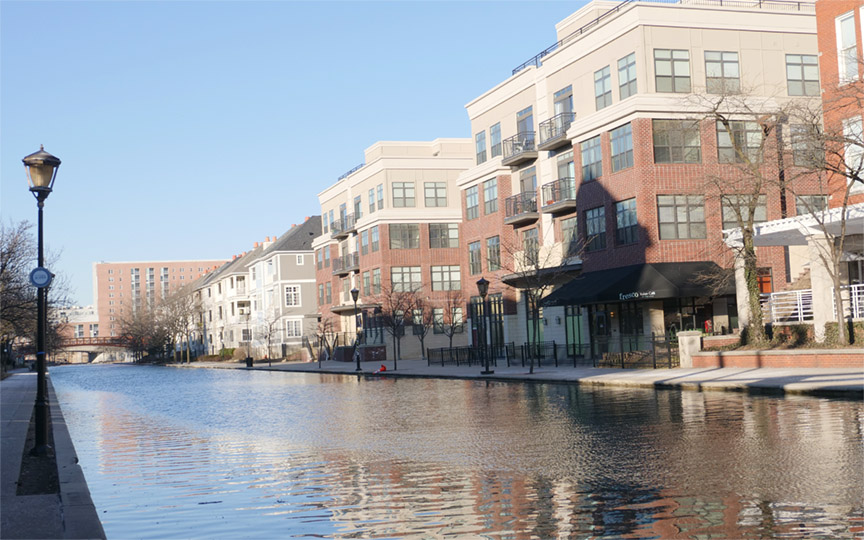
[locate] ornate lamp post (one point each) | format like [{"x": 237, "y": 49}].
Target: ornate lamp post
[
  {"x": 483, "y": 289},
  {"x": 41, "y": 171},
  {"x": 354, "y": 294}
]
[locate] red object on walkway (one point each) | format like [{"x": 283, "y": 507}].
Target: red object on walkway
[{"x": 382, "y": 369}]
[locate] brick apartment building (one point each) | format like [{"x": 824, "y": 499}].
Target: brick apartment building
[
  {"x": 602, "y": 142},
  {"x": 393, "y": 224}
]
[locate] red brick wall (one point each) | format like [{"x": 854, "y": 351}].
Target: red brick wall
[{"x": 777, "y": 359}]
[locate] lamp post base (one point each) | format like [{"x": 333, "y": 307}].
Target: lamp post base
[{"x": 487, "y": 372}]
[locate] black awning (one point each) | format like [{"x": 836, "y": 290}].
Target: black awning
[{"x": 637, "y": 282}]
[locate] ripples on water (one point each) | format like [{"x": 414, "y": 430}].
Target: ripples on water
[{"x": 195, "y": 453}]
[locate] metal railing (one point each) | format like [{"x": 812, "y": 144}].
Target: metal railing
[
  {"x": 853, "y": 301},
  {"x": 342, "y": 226},
  {"x": 471, "y": 355},
  {"x": 519, "y": 144},
  {"x": 521, "y": 203},
  {"x": 563, "y": 189},
  {"x": 787, "y": 306},
  {"x": 629, "y": 351},
  {"x": 556, "y": 127},
  {"x": 346, "y": 263},
  {"x": 352, "y": 171}
]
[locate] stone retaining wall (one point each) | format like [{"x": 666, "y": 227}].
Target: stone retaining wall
[{"x": 815, "y": 358}]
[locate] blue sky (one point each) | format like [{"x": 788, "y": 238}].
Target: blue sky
[{"x": 190, "y": 130}]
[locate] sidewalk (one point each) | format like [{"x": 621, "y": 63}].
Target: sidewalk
[
  {"x": 845, "y": 383},
  {"x": 69, "y": 514}
]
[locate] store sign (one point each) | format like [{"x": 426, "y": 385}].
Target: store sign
[{"x": 636, "y": 295}]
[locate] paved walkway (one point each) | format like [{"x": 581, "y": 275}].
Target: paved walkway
[
  {"x": 847, "y": 383},
  {"x": 69, "y": 514}
]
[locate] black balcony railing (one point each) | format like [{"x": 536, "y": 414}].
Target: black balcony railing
[
  {"x": 341, "y": 227},
  {"x": 523, "y": 203},
  {"x": 346, "y": 263},
  {"x": 563, "y": 189},
  {"x": 519, "y": 144},
  {"x": 555, "y": 129}
]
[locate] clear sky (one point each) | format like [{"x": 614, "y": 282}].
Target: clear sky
[{"x": 191, "y": 130}]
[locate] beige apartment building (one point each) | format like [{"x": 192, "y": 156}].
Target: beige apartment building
[
  {"x": 392, "y": 225},
  {"x": 594, "y": 156}
]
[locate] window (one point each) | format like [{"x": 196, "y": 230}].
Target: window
[
  {"x": 493, "y": 253},
  {"x": 495, "y": 139},
  {"x": 404, "y": 236},
  {"x": 854, "y": 148},
  {"x": 346, "y": 290},
  {"x": 246, "y": 334},
  {"x": 474, "y": 263},
  {"x": 602, "y": 88},
  {"x": 802, "y": 75},
  {"x": 294, "y": 328},
  {"x": 806, "y": 151},
  {"x": 595, "y": 229},
  {"x": 530, "y": 247},
  {"x": 676, "y": 141},
  {"x": 443, "y": 235},
  {"x": 592, "y": 159},
  {"x": 403, "y": 194},
  {"x": 525, "y": 122},
  {"x": 627, "y": 76},
  {"x": 320, "y": 294},
  {"x": 528, "y": 180},
  {"x": 326, "y": 257},
  {"x": 79, "y": 330},
  {"x": 763, "y": 279},
  {"x": 806, "y": 204},
  {"x": 358, "y": 207},
  {"x": 435, "y": 194},
  {"x": 672, "y": 70},
  {"x": 622, "y": 147},
  {"x": 364, "y": 242},
  {"x": 626, "y": 225},
  {"x": 328, "y": 290},
  {"x": 847, "y": 47},
  {"x": 376, "y": 281},
  {"x": 380, "y": 192},
  {"x": 681, "y": 216},
  {"x": 446, "y": 278},
  {"x": 292, "y": 296},
  {"x": 439, "y": 324},
  {"x": 373, "y": 233},
  {"x": 94, "y": 330},
  {"x": 472, "y": 203},
  {"x": 480, "y": 146},
  {"x": 299, "y": 260},
  {"x": 366, "y": 284},
  {"x": 343, "y": 216},
  {"x": 371, "y": 200},
  {"x": 569, "y": 237},
  {"x": 405, "y": 278},
  {"x": 722, "y": 75},
  {"x": 747, "y": 137},
  {"x": 324, "y": 223}
]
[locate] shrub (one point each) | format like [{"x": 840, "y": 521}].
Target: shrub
[
  {"x": 225, "y": 354},
  {"x": 796, "y": 335},
  {"x": 854, "y": 329}
]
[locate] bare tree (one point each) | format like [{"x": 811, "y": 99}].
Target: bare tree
[
  {"x": 325, "y": 332},
  {"x": 179, "y": 312},
  {"x": 396, "y": 308},
  {"x": 270, "y": 329},
  {"x": 452, "y": 320},
  {"x": 422, "y": 320}
]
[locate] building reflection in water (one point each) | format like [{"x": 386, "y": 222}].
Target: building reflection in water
[{"x": 258, "y": 455}]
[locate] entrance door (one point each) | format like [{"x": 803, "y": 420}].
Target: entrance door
[{"x": 600, "y": 330}]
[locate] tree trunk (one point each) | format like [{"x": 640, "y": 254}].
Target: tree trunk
[
  {"x": 756, "y": 328},
  {"x": 842, "y": 337}
]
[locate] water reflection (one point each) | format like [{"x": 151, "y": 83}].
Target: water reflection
[{"x": 200, "y": 453}]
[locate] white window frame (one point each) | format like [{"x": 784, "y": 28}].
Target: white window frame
[
  {"x": 844, "y": 76},
  {"x": 292, "y": 297},
  {"x": 300, "y": 260},
  {"x": 294, "y": 328}
]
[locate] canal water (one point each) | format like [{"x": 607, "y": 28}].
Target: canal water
[{"x": 198, "y": 453}]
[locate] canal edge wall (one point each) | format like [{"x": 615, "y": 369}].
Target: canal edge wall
[{"x": 79, "y": 515}]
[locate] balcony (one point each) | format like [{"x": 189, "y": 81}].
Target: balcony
[
  {"x": 553, "y": 132},
  {"x": 559, "y": 196},
  {"x": 346, "y": 264},
  {"x": 519, "y": 148},
  {"x": 521, "y": 208},
  {"x": 341, "y": 228}
]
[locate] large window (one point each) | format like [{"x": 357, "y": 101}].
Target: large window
[
  {"x": 328, "y": 290},
  {"x": 358, "y": 207},
  {"x": 569, "y": 237},
  {"x": 364, "y": 242},
  {"x": 741, "y": 139},
  {"x": 626, "y": 224},
  {"x": 446, "y": 278},
  {"x": 602, "y": 88},
  {"x": 326, "y": 256},
  {"x": 592, "y": 159},
  {"x": 672, "y": 70},
  {"x": 563, "y": 102},
  {"x": 622, "y": 147},
  {"x": 525, "y": 122},
  {"x": 294, "y": 328},
  {"x": 472, "y": 203},
  {"x": 292, "y": 296},
  {"x": 495, "y": 139},
  {"x": 371, "y": 200},
  {"x": 474, "y": 262},
  {"x": 493, "y": 253},
  {"x": 736, "y": 210},
  {"x": 681, "y": 216},
  {"x": 404, "y": 236},
  {"x": 380, "y": 195},
  {"x": 806, "y": 150},
  {"x": 403, "y": 194},
  {"x": 595, "y": 229},
  {"x": 627, "y": 76},
  {"x": 853, "y": 154},
  {"x": 373, "y": 233},
  {"x": 435, "y": 194},
  {"x": 722, "y": 75},
  {"x": 802, "y": 74},
  {"x": 847, "y": 47},
  {"x": 405, "y": 278},
  {"x": 531, "y": 247},
  {"x": 443, "y": 235},
  {"x": 320, "y": 294},
  {"x": 376, "y": 281},
  {"x": 807, "y": 204},
  {"x": 367, "y": 284},
  {"x": 490, "y": 196},
  {"x": 676, "y": 141},
  {"x": 480, "y": 147}
]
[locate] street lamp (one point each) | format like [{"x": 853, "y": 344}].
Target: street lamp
[
  {"x": 483, "y": 289},
  {"x": 41, "y": 171},
  {"x": 354, "y": 294}
]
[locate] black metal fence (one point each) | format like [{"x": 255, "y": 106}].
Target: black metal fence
[{"x": 636, "y": 351}]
